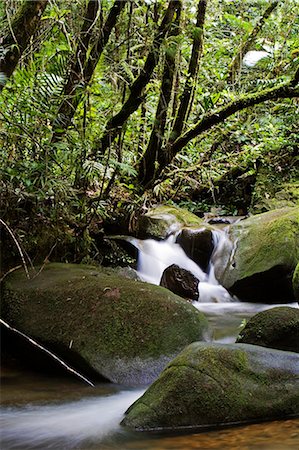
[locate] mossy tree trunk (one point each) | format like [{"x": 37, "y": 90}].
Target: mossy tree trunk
[
  {"x": 16, "y": 36},
  {"x": 147, "y": 163},
  {"x": 154, "y": 154}
]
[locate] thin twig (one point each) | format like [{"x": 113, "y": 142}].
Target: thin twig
[
  {"x": 52, "y": 355},
  {"x": 10, "y": 271},
  {"x": 46, "y": 260},
  {"x": 18, "y": 247}
]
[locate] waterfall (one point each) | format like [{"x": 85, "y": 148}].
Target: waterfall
[{"x": 155, "y": 256}]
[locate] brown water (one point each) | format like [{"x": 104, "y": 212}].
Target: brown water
[{"x": 47, "y": 412}]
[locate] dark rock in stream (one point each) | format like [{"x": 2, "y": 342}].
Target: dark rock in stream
[
  {"x": 125, "y": 330},
  {"x": 210, "y": 385},
  {"x": 197, "y": 244},
  {"x": 180, "y": 281},
  {"x": 275, "y": 328},
  {"x": 295, "y": 282}
]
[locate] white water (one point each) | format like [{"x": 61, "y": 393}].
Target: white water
[
  {"x": 64, "y": 425},
  {"x": 155, "y": 256}
]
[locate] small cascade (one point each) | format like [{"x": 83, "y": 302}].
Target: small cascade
[{"x": 155, "y": 256}]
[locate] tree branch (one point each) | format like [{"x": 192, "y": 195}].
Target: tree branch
[
  {"x": 136, "y": 91},
  {"x": 285, "y": 90}
]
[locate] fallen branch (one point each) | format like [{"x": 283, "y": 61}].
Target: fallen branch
[{"x": 52, "y": 355}]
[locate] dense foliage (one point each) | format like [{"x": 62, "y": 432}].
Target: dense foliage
[{"x": 93, "y": 121}]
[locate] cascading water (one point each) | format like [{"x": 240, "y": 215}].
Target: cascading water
[{"x": 155, "y": 256}]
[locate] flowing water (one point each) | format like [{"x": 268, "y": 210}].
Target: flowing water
[{"x": 43, "y": 412}]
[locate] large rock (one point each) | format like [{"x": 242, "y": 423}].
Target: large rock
[
  {"x": 163, "y": 220},
  {"x": 180, "y": 281},
  {"x": 125, "y": 330},
  {"x": 216, "y": 384},
  {"x": 296, "y": 282},
  {"x": 274, "y": 328},
  {"x": 264, "y": 253}
]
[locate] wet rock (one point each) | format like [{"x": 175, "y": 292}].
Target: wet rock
[
  {"x": 180, "y": 281},
  {"x": 275, "y": 328},
  {"x": 197, "y": 244},
  {"x": 216, "y": 384},
  {"x": 295, "y": 282},
  {"x": 258, "y": 267},
  {"x": 125, "y": 330},
  {"x": 163, "y": 220}
]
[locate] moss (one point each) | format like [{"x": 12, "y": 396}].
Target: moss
[
  {"x": 102, "y": 314},
  {"x": 275, "y": 328},
  {"x": 263, "y": 242},
  {"x": 163, "y": 219},
  {"x": 210, "y": 384},
  {"x": 296, "y": 282}
]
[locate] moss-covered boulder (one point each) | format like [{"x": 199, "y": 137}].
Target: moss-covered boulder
[
  {"x": 216, "y": 384},
  {"x": 259, "y": 265},
  {"x": 275, "y": 328},
  {"x": 296, "y": 282},
  {"x": 162, "y": 220},
  {"x": 125, "y": 330}
]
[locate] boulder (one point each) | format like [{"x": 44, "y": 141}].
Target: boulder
[
  {"x": 296, "y": 282},
  {"x": 210, "y": 385},
  {"x": 275, "y": 328},
  {"x": 180, "y": 281},
  {"x": 197, "y": 244},
  {"x": 258, "y": 266},
  {"x": 125, "y": 330},
  {"x": 163, "y": 220}
]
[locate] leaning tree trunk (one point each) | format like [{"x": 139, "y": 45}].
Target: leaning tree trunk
[
  {"x": 84, "y": 63},
  {"x": 16, "y": 37},
  {"x": 136, "y": 91},
  {"x": 245, "y": 46},
  {"x": 147, "y": 163}
]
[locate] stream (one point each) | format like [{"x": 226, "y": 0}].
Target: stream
[{"x": 49, "y": 412}]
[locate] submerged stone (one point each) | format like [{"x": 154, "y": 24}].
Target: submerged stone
[
  {"x": 264, "y": 253},
  {"x": 275, "y": 328},
  {"x": 216, "y": 384},
  {"x": 125, "y": 330}
]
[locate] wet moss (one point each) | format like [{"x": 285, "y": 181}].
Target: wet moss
[
  {"x": 210, "y": 384},
  {"x": 264, "y": 243},
  {"x": 160, "y": 221},
  {"x": 275, "y": 328}
]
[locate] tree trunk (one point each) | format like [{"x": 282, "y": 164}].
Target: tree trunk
[
  {"x": 192, "y": 72},
  {"x": 151, "y": 155},
  {"x": 18, "y": 34},
  {"x": 136, "y": 91},
  {"x": 83, "y": 66}
]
